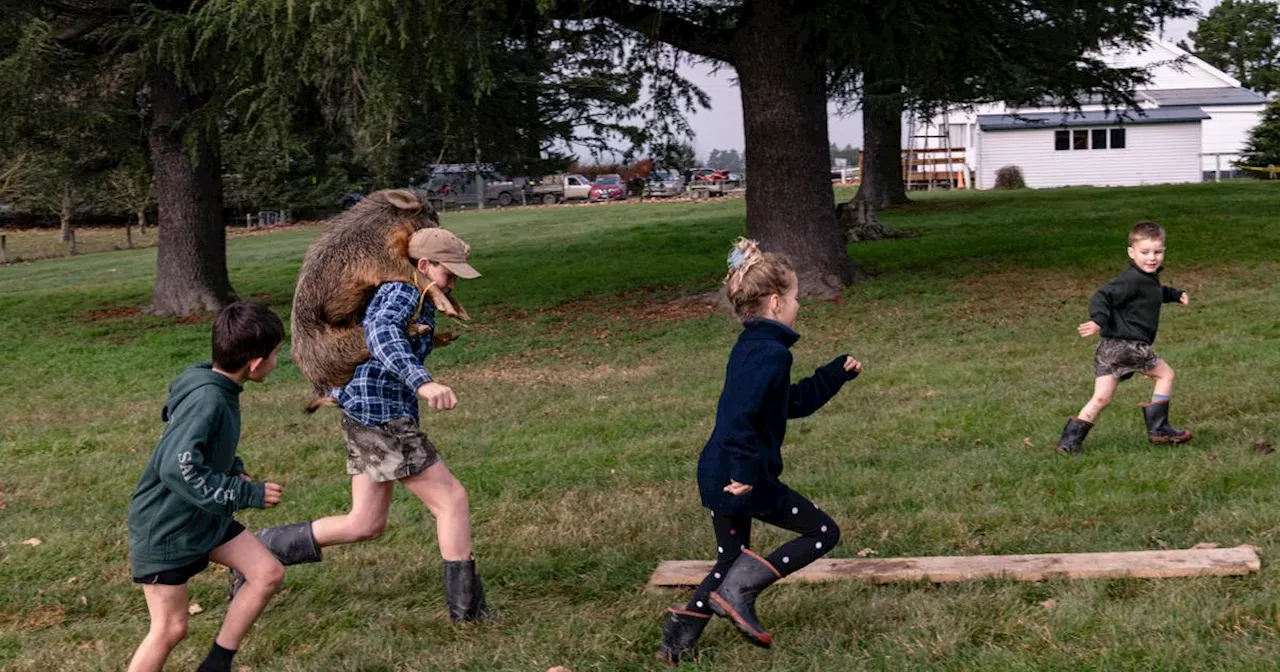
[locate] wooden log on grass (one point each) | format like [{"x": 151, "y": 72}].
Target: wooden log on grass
[{"x": 950, "y": 569}]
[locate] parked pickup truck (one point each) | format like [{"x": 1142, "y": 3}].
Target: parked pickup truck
[{"x": 554, "y": 189}]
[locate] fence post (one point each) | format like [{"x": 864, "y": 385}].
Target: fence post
[
  {"x": 4, "y": 254},
  {"x": 1217, "y": 167}
]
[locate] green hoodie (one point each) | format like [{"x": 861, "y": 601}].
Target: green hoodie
[{"x": 190, "y": 488}]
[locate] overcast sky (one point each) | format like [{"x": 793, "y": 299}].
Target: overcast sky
[{"x": 721, "y": 126}]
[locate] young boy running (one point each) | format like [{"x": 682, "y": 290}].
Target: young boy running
[
  {"x": 1127, "y": 314},
  {"x": 385, "y": 443},
  {"x": 180, "y": 517}
]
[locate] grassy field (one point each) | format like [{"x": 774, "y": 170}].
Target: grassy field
[{"x": 587, "y": 390}]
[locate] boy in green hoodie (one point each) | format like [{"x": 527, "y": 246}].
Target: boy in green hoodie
[{"x": 180, "y": 517}]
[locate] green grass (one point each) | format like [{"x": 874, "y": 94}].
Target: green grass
[{"x": 586, "y": 395}]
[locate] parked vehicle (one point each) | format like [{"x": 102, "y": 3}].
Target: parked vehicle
[
  {"x": 663, "y": 183},
  {"x": 553, "y": 189},
  {"x": 731, "y": 180},
  {"x": 608, "y": 187},
  {"x": 458, "y": 183},
  {"x": 705, "y": 182}
]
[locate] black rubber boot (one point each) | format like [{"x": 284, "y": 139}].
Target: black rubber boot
[
  {"x": 680, "y": 631},
  {"x": 291, "y": 544},
  {"x": 464, "y": 592},
  {"x": 735, "y": 599},
  {"x": 1072, "y": 441},
  {"x": 1158, "y": 428}
]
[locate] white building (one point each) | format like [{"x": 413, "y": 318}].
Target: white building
[{"x": 1194, "y": 120}]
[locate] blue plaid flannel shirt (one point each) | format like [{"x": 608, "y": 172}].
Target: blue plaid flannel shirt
[{"x": 386, "y": 386}]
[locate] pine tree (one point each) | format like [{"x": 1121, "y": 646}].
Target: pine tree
[{"x": 1263, "y": 148}]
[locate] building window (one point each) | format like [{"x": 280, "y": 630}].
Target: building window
[{"x": 1089, "y": 138}]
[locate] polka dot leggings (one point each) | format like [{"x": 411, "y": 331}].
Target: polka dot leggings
[{"x": 818, "y": 534}]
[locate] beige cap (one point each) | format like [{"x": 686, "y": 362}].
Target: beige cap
[{"x": 444, "y": 248}]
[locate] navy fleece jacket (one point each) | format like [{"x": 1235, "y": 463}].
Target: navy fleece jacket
[{"x": 751, "y": 418}]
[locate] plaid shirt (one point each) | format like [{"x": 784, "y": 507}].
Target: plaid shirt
[{"x": 386, "y": 386}]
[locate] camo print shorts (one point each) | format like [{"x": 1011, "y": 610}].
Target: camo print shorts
[
  {"x": 389, "y": 452},
  {"x": 1120, "y": 358}
]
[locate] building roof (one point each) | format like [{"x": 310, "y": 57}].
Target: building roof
[
  {"x": 1008, "y": 122},
  {"x": 1226, "y": 95}
]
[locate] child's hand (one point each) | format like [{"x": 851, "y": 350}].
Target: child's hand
[
  {"x": 271, "y": 496},
  {"x": 851, "y": 364},
  {"x": 439, "y": 397},
  {"x": 1184, "y": 299},
  {"x": 246, "y": 477},
  {"x": 735, "y": 488},
  {"x": 1088, "y": 329}
]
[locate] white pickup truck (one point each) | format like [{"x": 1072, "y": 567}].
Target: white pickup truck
[{"x": 554, "y": 189}]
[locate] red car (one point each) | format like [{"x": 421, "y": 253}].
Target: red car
[{"x": 608, "y": 188}]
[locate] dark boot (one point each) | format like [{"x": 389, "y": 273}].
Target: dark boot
[
  {"x": 735, "y": 599},
  {"x": 464, "y": 592},
  {"x": 680, "y": 631},
  {"x": 1158, "y": 428},
  {"x": 1072, "y": 441},
  {"x": 291, "y": 544}
]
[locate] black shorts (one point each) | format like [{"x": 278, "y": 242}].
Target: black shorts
[{"x": 180, "y": 575}]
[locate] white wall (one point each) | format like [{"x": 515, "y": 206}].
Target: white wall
[
  {"x": 1153, "y": 154},
  {"x": 1227, "y": 131},
  {"x": 1171, "y": 67}
]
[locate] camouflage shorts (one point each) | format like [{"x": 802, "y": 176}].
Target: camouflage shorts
[
  {"x": 1120, "y": 358},
  {"x": 389, "y": 452}
]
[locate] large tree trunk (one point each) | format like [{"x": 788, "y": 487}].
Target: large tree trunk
[
  {"x": 882, "y": 145},
  {"x": 191, "y": 263},
  {"x": 790, "y": 204}
]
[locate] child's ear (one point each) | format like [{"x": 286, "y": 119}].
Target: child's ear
[{"x": 256, "y": 363}]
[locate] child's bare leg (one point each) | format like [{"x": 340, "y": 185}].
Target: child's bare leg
[
  {"x": 444, "y": 495},
  {"x": 263, "y": 575},
  {"x": 1103, "y": 388},
  {"x": 1163, "y": 375},
  {"x": 370, "y": 502},
  {"x": 167, "y": 606}
]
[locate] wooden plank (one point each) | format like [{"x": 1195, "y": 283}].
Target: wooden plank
[
  {"x": 936, "y": 161},
  {"x": 950, "y": 569},
  {"x": 957, "y": 151}
]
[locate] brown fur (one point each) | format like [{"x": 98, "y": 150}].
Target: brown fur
[{"x": 359, "y": 250}]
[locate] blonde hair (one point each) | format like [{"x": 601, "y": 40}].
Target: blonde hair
[{"x": 755, "y": 276}]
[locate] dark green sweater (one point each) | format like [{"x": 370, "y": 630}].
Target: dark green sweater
[
  {"x": 183, "y": 504},
  {"x": 1129, "y": 306}
]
